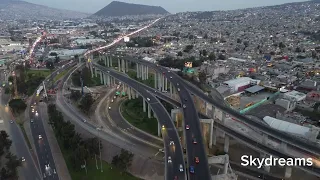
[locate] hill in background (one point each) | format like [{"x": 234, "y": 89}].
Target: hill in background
[
  {"x": 15, "y": 9},
  {"x": 116, "y": 8}
]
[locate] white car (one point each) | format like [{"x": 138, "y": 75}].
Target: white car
[
  {"x": 170, "y": 77},
  {"x": 181, "y": 168},
  {"x": 32, "y": 110},
  {"x": 23, "y": 159},
  {"x": 40, "y": 137},
  {"x": 109, "y": 107},
  {"x": 169, "y": 159},
  {"x": 37, "y": 113},
  {"x": 178, "y": 89},
  {"x": 111, "y": 100},
  {"x": 171, "y": 143},
  {"x": 184, "y": 106},
  {"x": 148, "y": 99}
]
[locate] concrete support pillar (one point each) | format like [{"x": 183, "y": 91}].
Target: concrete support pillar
[
  {"x": 166, "y": 84},
  {"x": 171, "y": 89},
  {"x": 95, "y": 72},
  {"x": 119, "y": 65},
  {"x": 283, "y": 146},
  {"x": 101, "y": 78},
  {"x": 159, "y": 129},
  {"x": 223, "y": 118},
  {"x": 137, "y": 95},
  {"x": 110, "y": 61},
  {"x": 226, "y": 144},
  {"x": 127, "y": 66},
  {"x": 105, "y": 61},
  {"x": 149, "y": 111},
  {"x": 129, "y": 93},
  {"x": 159, "y": 82},
  {"x": 213, "y": 112},
  {"x": 144, "y": 106},
  {"x": 123, "y": 65},
  {"x": 163, "y": 82},
  {"x": 147, "y": 72},
  {"x": 104, "y": 79},
  {"x": 137, "y": 69},
  {"x": 226, "y": 164},
  {"x": 206, "y": 108},
  {"x": 288, "y": 172},
  {"x": 91, "y": 69},
  {"x": 214, "y": 136},
  {"x": 211, "y": 134},
  {"x": 144, "y": 72}
]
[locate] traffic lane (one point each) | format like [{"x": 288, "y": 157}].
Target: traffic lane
[
  {"x": 169, "y": 133},
  {"x": 296, "y": 143},
  {"x": 153, "y": 102},
  {"x": 42, "y": 148},
  {"x": 28, "y": 168},
  {"x": 74, "y": 114},
  {"x": 120, "y": 123}
]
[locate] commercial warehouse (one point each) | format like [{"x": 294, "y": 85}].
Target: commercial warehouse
[{"x": 240, "y": 84}]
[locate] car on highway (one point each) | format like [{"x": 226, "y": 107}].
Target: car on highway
[
  {"x": 184, "y": 106},
  {"x": 180, "y": 168},
  {"x": 32, "y": 110},
  {"x": 175, "y": 178},
  {"x": 11, "y": 121},
  {"x": 185, "y": 99},
  {"x": 191, "y": 169},
  {"x": 111, "y": 100},
  {"x": 37, "y": 113},
  {"x": 148, "y": 99},
  {"x": 169, "y": 159},
  {"x": 177, "y": 84},
  {"x": 170, "y": 77},
  {"x": 23, "y": 159},
  {"x": 171, "y": 143},
  {"x": 178, "y": 89},
  {"x": 108, "y": 71},
  {"x": 187, "y": 127},
  {"x": 196, "y": 159},
  {"x": 109, "y": 107},
  {"x": 194, "y": 141},
  {"x": 163, "y": 127},
  {"x": 168, "y": 71},
  {"x": 31, "y": 120},
  {"x": 40, "y": 137}
]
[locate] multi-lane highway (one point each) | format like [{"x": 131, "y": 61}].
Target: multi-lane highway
[
  {"x": 174, "y": 152},
  {"x": 43, "y": 150},
  {"x": 193, "y": 136},
  {"x": 242, "y": 138},
  {"x": 28, "y": 168}
]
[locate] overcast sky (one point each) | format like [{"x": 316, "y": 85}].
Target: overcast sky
[{"x": 173, "y": 6}]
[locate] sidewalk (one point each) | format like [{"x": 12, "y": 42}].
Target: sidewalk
[{"x": 58, "y": 158}]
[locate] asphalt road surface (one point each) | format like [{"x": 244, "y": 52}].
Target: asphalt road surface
[{"x": 28, "y": 170}]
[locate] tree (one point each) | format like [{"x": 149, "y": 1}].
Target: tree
[
  {"x": 86, "y": 103},
  {"x": 212, "y": 56},
  {"x": 123, "y": 160},
  {"x": 75, "y": 95},
  {"x": 202, "y": 77},
  {"x": 281, "y": 45},
  {"x": 179, "y": 53},
  {"x": 222, "y": 57},
  {"x": 204, "y": 52},
  {"x": 17, "y": 105},
  {"x": 50, "y": 65}
]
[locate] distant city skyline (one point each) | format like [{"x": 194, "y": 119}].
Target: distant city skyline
[{"x": 173, "y": 6}]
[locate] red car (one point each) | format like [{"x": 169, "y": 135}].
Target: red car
[
  {"x": 187, "y": 127},
  {"x": 196, "y": 159}
]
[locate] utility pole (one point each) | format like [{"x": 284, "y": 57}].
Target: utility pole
[{"x": 15, "y": 84}]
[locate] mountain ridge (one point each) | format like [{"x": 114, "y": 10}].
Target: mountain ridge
[
  {"x": 17, "y": 9},
  {"x": 118, "y": 8}
]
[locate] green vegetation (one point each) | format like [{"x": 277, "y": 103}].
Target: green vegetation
[
  {"x": 141, "y": 42},
  {"x": 17, "y": 105},
  {"x": 86, "y": 77},
  {"x": 60, "y": 75},
  {"x": 84, "y": 102},
  {"x": 9, "y": 162},
  {"x": 37, "y": 73},
  {"x": 78, "y": 152},
  {"x": 149, "y": 82},
  {"x": 132, "y": 111}
]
